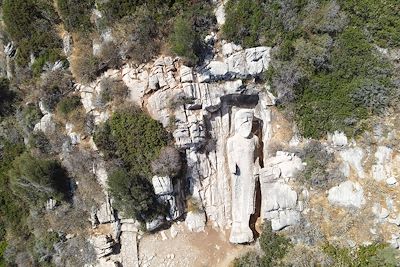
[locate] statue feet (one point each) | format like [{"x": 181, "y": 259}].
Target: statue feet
[{"x": 241, "y": 233}]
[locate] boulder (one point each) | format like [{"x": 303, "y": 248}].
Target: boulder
[
  {"x": 46, "y": 125},
  {"x": 186, "y": 74},
  {"x": 382, "y": 169},
  {"x": 195, "y": 221},
  {"x": 162, "y": 185},
  {"x": 347, "y": 194},
  {"x": 338, "y": 139},
  {"x": 352, "y": 158}
]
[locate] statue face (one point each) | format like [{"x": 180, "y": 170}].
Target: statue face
[{"x": 244, "y": 123}]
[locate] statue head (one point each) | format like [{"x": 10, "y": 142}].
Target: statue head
[{"x": 244, "y": 122}]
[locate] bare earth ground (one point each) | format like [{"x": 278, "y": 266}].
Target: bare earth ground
[{"x": 208, "y": 248}]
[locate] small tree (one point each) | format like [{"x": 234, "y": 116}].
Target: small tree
[
  {"x": 168, "y": 163},
  {"x": 133, "y": 195},
  {"x": 273, "y": 245},
  {"x": 7, "y": 97},
  {"x": 36, "y": 180},
  {"x": 184, "y": 39}
]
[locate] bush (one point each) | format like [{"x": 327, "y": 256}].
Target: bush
[
  {"x": 7, "y": 97},
  {"x": 133, "y": 195},
  {"x": 184, "y": 40},
  {"x": 274, "y": 248},
  {"x": 68, "y": 105},
  {"x": 54, "y": 85},
  {"x": 371, "y": 255},
  {"x": 30, "y": 116},
  {"x": 109, "y": 55},
  {"x": 84, "y": 65},
  {"x": 113, "y": 90},
  {"x": 320, "y": 170},
  {"x": 250, "y": 259},
  {"x": 31, "y": 25},
  {"x": 134, "y": 137},
  {"x": 168, "y": 163},
  {"x": 245, "y": 22},
  {"x": 139, "y": 35},
  {"x": 76, "y": 14},
  {"x": 36, "y": 180},
  {"x": 326, "y": 102},
  {"x": 378, "y": 19}
]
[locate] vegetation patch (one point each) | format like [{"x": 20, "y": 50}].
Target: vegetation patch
[
  {"x": 31, "y": 24},
  {"x": 326, "y": 69},
  {"x": 134, "y": 137},
  {"x": 134, "y": 195}
]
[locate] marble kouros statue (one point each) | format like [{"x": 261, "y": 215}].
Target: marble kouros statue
[{"x": 243, "y": 164}]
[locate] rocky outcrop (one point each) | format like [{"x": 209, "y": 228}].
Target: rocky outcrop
[
  {"x": 46, "y": 125},
  {"x": 239, "y": 65},
  {"x": 347, "y": 194},
  {"x": 382, "y": 169},
  {"x": 352, "y": 160},
  {"x": 128, "y": 242},
  {"x": 279, "y": 202}
]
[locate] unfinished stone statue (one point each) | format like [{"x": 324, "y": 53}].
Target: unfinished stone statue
[{"x": 243, "y": 166}]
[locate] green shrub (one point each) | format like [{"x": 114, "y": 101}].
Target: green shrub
[
  {"x": 3, "y": 246},
  {"x": 320, "y": 170},
  {"x": 76, "y": 14},
  {"x": 379, "y": 19},
  {"x": 31, "y": 115},
  {"x": 31, "y": 25},
  {"x": 133, "y": 195},
  {"x": 139, "y": 35},
  {"x": 68, "y": 105},
  {"x": 370, "y": 255},
  {"x": 7, "y": 97},
  {"x": 113, "y": 90},
  {"x": 273, "y": 246},
  {"x": 184, "y": 40},
  {"x": 250, "y": 259},
  {"x": 36, "y": 180},
  {"x": 85, "y": 66},
  {"x": 134, "y": 137},
  {"x": 54, "y": 85},
  {"x": 327, "y": 101},
  {"x": 244, "y": 22}
]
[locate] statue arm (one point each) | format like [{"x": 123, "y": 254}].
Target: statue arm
[
  {"x": 257, "y": 166},
  {"x": 231, "y": 162}
]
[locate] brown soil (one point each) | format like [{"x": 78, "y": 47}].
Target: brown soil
[{"x": 208, "y": 248}]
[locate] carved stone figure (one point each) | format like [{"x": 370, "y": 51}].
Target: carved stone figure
[{"x": 243, "y": 166}]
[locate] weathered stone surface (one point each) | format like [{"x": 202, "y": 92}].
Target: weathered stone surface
[
  {"x": 347, "y": 194},
  {"x": 129, "y": 245},
  {"x": 379, "y": 211},
  {"x": 352, "y": 159},
  {"x": 51, "y": 204},
  {"x": 230, "y": 48},
  {"x": 162, "y": 185},
  {"x": 338, "y": 139},
  {"x": 195, "y": 221},
  {"x": 391, "y": 181},
  {"x": 186, "y": 74},
  {"x": 75, "y": 137},
  {"x": 243, "y": 167},
  {"x": 155, "y": 224},
  {"x": 105, "y": 213},
  {"x": 279, "y": 203},
  {"x": 382, "y": 169},
  {"x": 103, "y": 245},
  {"x": 278, "y": 196},
  {"x": 46, "y": 125}
]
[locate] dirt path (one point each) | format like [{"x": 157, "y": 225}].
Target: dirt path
[{"x": 209, "y": 248}]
